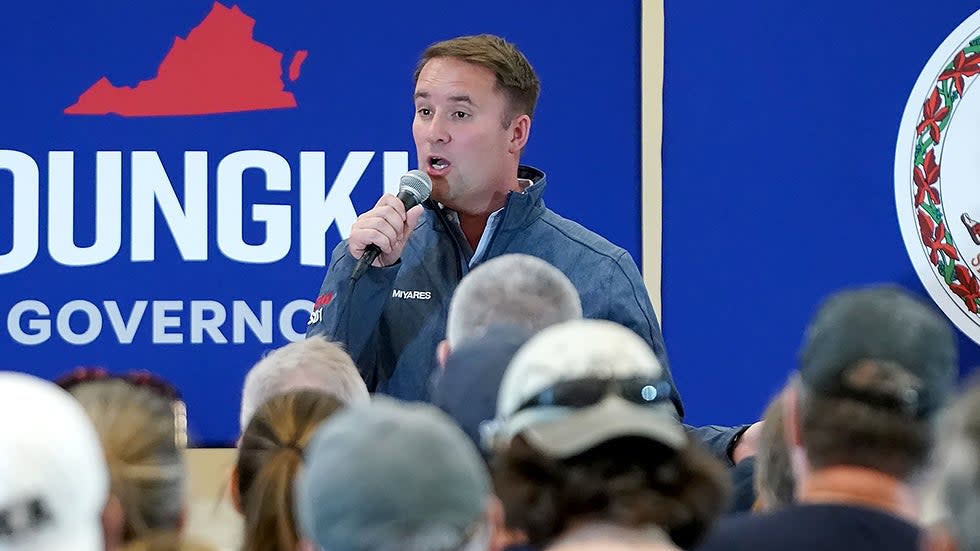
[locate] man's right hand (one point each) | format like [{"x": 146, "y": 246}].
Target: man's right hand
[{"x": 388, "y": 226}]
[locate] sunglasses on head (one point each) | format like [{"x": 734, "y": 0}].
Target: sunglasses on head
[
  {"x": 589, "y": 391},
  {"x": 138, "y": 379}
]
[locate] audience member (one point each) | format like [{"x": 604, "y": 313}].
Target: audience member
[
  {"x": 142, "y": 424},
  {"x": 774, "y": 484},
  {"x": 586, "y": 436},
  {"x": 958, "y": 476},
  {"x": 54, "y": 482},
  {"x": 314, "y": 363},
  {"x": 393, "y": 476},
  {"x": 269, "y": 455},
  {"x": 466, "y": 389},
  {"x": 513, "y": 289},
  {"x": 876, "y": 365}
]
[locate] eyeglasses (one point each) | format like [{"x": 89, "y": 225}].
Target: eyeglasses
[
  {"x": 138, "y": 379},
  {"x": 589, "y": 391}
]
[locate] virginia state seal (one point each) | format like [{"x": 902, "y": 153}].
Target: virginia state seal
[{"x": 937, "y": 176}]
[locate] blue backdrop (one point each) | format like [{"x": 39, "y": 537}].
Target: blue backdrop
[
  {"x": 780, "y": 123},
  {"x": 353, "y": 94},
  {"x": 779, "y": 136}
]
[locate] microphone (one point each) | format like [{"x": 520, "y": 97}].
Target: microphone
[{"x": 413, "y": 189}]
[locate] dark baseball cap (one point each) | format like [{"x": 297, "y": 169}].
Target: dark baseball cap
[{"x": 880, "y": 323}]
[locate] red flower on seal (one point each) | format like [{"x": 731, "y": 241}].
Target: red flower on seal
[
  {"x": 968, "y": 287},
  {"x": 963, "y": 66},
  {"x": 924, "y": 177},
  {"x": 935, "y": 239},
  {"x": 932, "y": 114}
]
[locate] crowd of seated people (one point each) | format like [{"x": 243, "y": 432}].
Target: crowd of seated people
[{"x": 546, "y": 431}]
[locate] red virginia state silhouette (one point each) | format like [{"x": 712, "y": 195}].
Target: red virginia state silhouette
[{"x": 219, "y": 68}]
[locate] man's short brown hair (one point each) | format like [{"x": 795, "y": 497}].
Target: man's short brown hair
[
  {"x": 514, "y": 75},
  {"x": 851, "y": 431}
]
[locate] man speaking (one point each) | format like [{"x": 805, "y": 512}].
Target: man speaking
[{"x": 474, "y": 102}]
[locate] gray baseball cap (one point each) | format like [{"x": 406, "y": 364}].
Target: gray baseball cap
[
  {"x": 376, "y": 474},
  {"x": 880, "y": 323}
]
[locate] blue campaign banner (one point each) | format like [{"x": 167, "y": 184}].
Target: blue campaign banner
[
  {"x": 173, "y": 174},
  {"x": 781, "y": 122}
]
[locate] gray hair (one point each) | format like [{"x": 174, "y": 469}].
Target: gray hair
[
  {"x": 773, "y": 480},
  {"x": 958, "y": 469},
  {"x": 514, "y": 288},
  {"x": 314, "y": 363}
]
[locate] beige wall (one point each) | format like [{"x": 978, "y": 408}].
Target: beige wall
[
  {"x": 211, "y": 517},
  {"x": 652, "y": 75}
]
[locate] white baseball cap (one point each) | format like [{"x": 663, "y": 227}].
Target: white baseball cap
[
  {"x": 631, "y": 395},
  {"x": 54, "y": 482}
]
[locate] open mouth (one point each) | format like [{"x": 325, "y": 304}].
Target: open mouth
[{"x": 438, "y": 163}]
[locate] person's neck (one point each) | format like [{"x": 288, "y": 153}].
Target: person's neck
[
  {"x": 473, "y": 226},
  {"x": 473, "y": 221},
  {"x": 850, "y": 485},
  {"x": 585, "y": 534}
]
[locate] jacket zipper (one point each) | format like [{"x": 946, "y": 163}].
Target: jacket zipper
[{"x": 452, "y": 235}]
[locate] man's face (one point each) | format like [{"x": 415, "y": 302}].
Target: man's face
[{"x": 460, "y": 136}]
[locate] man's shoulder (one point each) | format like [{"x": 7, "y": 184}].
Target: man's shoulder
[
  {"x": 572, "y": 233},
  {"x": 741, "y": 530},
  {"x": 815, "y": 527}
]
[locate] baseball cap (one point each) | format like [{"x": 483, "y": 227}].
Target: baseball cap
[
  {"x": 613, "y": 383},
  {"x": 54, "y": 482},
  {"x": 880, "y": 323},
  {"x": 379, "y": 473}
]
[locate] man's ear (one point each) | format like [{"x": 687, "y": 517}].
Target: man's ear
[
  {"x": 182, "y": 520},
  {"x": 442, "y": 353},
  {"x": 520, "y": 131},
  {"x": 236, "y": 496}
]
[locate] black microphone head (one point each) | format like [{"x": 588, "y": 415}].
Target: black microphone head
[{"x": 417, "y": 183}]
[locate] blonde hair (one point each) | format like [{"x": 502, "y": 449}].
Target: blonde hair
[
  {"x": 269, "y": 456},
  {"x": 142, "y": 435}
]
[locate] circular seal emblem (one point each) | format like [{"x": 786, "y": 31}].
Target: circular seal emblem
[{"x": 937, "y": 176}]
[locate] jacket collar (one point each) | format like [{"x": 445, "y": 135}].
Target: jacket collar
[{"x": 522, "y": 208}]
